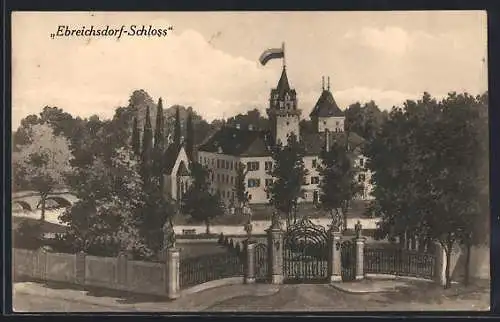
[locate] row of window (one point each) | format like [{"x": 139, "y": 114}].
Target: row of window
[
  {"x": 223, "y": 178},
  {"x": 220, "y": 164}
]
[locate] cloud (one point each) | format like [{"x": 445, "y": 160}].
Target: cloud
[
  {"x": 389, "y": 63},
  {"x": 95, "y": 78},
  {"x": 392, "y": 40}
]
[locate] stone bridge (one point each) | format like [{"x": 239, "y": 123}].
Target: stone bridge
[{"x": 30, "y": 200}]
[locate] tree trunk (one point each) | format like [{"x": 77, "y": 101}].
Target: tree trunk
[
  {"x": 44, "y": 198},
  {"x": 207, "y": 223},
  {"x": 467, "y": 263}
]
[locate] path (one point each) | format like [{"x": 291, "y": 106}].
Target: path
[{"x": 414, "y": 296}]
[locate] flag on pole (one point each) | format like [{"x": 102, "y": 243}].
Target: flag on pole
[{"x": 272, "y": 53}]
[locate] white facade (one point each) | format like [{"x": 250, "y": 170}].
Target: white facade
[
  {"x": 223, "y": 179},
  {"x": 332, "y": 123},
  {"x": 176, "y": 184}
]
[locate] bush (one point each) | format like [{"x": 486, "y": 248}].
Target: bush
[
  {"x": 28, "y": 235},
  {"x": 221, "y": 239}
]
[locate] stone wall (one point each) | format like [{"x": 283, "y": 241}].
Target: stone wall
[{"x": 107, "y": 272}]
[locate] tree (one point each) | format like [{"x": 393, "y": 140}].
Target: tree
[
  {"x": 44, "y": 162},
  {"x": 190, "y": 135},
  {"x": 136, "y": 140},
  {"x": 240, "y": 191},
  {"x": 338, "y": 184},
  {"x": 426, "y": 170},
  {"x": 364, "y": 120},
  {"x": 177, "y": 130},
  {"x": 147, "y": 150},
  {"x": 288, "y": 172},
  {"x": 106, "y": 218},
  {"x": 198, "y": 202},
  {"x": 159, "y": 145}
]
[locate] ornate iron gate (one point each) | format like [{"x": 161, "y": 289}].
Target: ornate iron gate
[
  {"x": 261, "y": 262},
  {"x": 305, "y": 251},
  {"x": 348, "y": 260}
]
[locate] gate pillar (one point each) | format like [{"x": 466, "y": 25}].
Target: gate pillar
[
  {"x": 334, "y": 255},
  {"x": 250, "y": 262},
  {"x": 360, "y": 245},
  {"x": 275, "y": 249}
]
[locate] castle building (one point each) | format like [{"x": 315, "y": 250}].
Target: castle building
[{"x": 229, "y": 146}]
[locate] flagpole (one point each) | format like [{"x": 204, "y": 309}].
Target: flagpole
[{"x": 284, "y": 61}]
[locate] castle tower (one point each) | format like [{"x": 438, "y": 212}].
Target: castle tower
[
  {"x": 283, "y": 112},
  {"x": 326, "y": 114}
]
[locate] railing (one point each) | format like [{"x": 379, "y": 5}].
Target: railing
[
  {"x": 399, "y": 262},
  {"x": 201, "y": 269}
]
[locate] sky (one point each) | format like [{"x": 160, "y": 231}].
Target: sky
[{"x": 210, "y": 59}]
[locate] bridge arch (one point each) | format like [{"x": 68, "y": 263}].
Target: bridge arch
[
  {"x": 25, "y": 205},
  {"x": 61, "y": 201}
]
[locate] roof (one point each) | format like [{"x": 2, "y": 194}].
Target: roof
[
  {"x": 283, "y": 87},
  {"x": 314, "y": 142},
  {"x": 170, "y": 156},
  {"x": 326, "y": 106},
  {"x": 243, "y": 142},
  {"x": 240, "y": 142}
]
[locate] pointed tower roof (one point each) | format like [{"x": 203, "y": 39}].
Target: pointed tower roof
[
  {"x": 326, "y": 105},
  {"x": 283, "y": 85}
]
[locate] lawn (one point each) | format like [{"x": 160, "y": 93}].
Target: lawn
[{"x": 197, "y": 249}]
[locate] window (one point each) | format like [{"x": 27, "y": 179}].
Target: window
[
  {"x": 324, "y": 122},
  {"x": 218, "y": 164},
  {"x": 227, "y": 178},
  {"x": 213, "y": 162},
  {"x": 223, "y": 194},
  {"x": 249, "y": 197},
  {"x": 361, "y": 177},
  {"x": 305, "y": 182},
  {"x": 314, "y": 163},
  {"x": 227, "y": 164},
  {"x": 337, "y": 123},
  {"x": 268, "y": 195},
  {"x": 232, "y": 194},
  {"x": 361, "y": 162},
  {"x": 253, "y": 166},
  {"x": 218, "y": 177},
  {"x": 253, "y": 183},
  {"x": 269, "y": 182},
  {"x": 287, "y": 123},
  {"x": 268, "y": 165},
  {"x": 314, "y": 180},
  {"x": 231, "y": 166},
  {"x": 201, "y": 159},
  {"x": 232, "y": 179},
  {"x": 212, "y": 177},
  {"x": 206, "y": 161}
]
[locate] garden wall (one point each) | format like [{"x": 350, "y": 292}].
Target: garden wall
[
  {"x": 260, "y": 226},
  {"x": 113, "y": 273}
]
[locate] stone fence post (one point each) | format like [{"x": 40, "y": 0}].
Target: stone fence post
[
  {"x": 172, "y": 270},
  {"x": 275, "y": 248},
  {"x": 122, "y": 262},
  {"x": 80, "y": 268},
  {"x": 334, "y": 255},
  {"x": 40, "y": 271},
  {"x": 250, "y": 263},
  {"x": 360, "y": 245},
  {"x": 440, "y": 264}
]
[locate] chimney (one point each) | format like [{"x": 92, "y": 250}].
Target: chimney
[
  {"x": 327, "y": 140},
  {"x": 238, "y": 126}
]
